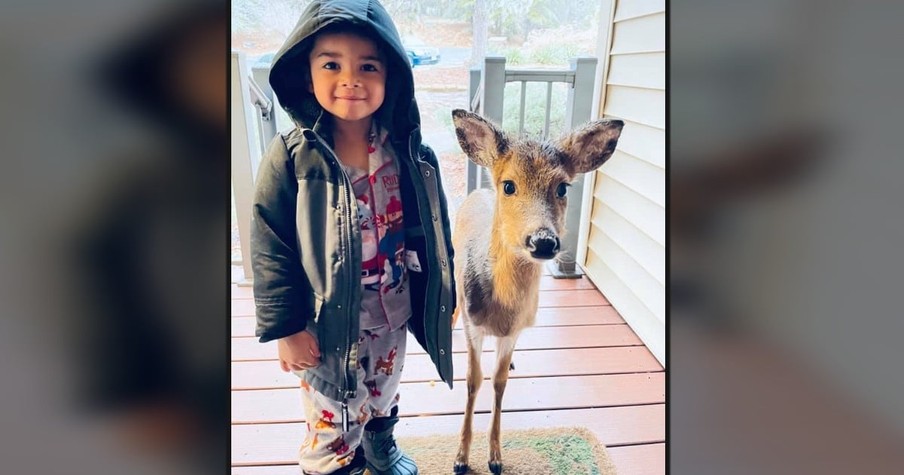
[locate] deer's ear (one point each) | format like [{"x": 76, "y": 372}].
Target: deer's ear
[
  {"x": 480, "y": 139},
  {"x": 588, "y": 147}
]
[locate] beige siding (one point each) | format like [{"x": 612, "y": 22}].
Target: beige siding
[
  {"x": 638, "y": 210},
  {"x": 638, "y": 70},
  {"x": 644, "y": 34},
  {"x": 646, "y": 106},
  {"x": 637, "y": 244},
  {"x": 625, "y": 255},
  {"x": 644, "y": 323},
  {"x": 639, "y": 175},
  {"x": 638, "y": 8},
  {"x": 635, "y": 278},
  {"x": 644, "y": 142}
]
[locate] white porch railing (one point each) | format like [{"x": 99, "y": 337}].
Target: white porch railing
[
  {"x": 256, "y": 117},
  {"x": 487, "y": 93},
  {"x": 245, "y": 155}
]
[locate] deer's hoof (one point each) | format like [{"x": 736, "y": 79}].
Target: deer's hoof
[
  {"x": 460, "y": 468},
  {"x": 495, "y": 467}
]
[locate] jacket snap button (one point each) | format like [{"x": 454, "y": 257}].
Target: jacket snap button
[
  {"x": 443, "y": 262},
  {"x": 442, "y": 308},
  {"x": 427, "y": 173},
  {"x": 339, "y": 306}
]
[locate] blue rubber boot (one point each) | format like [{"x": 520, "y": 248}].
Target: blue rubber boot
[{"x": 384, "y": 457}]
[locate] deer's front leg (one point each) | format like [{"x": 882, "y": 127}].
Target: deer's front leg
[
  {"x": 504, "y": 348},
  {"x": 474, "y": 378}
]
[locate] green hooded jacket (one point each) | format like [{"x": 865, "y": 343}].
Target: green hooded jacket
[{"x": 305, "y": 242}]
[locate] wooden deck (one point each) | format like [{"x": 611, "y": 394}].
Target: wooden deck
[{"x": 580, "y": 365}]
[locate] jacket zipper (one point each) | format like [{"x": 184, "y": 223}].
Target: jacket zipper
[
  {"x": 348, "y": 392},
  {"x": 345, "y": 390},
  {"x": 438, "y": 248}
]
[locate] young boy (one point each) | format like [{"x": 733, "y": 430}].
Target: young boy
[{"x": 350, "y": 235}]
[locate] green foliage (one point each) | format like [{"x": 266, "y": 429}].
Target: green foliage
[
  {"x": 507, "y": 17},
  {"x": 513, "y": 56},
  {"x": 458, "y": 10},
  {"x": 404, "y": 10},
  {"x": 519, "y": 17},
  {"x": 546, "y": 55},
  {"x": 443, "y": 116},
  {"x": 534, "y": 108},
  {"x": 554, "y": 54}
]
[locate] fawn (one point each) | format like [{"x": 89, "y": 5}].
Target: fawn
[{"x": 503, "y": 236}]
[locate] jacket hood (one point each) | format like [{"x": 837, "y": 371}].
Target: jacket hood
[{"x": 290, "y": 72}]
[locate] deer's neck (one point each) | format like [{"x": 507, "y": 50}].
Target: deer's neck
[{"x": 514, "y": 276}]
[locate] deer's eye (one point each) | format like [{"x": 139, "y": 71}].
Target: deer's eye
[
  {"x": 561, "y": 190},
  {"x": 508, "y": 187}
]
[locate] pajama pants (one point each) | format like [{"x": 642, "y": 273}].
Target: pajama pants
[{"x": 326, "y": 448}]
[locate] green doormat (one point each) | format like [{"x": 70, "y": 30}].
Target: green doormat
[{"x": 558, "y": 451}]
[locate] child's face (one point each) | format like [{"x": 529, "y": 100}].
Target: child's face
[{"x": 348, "y": 76}]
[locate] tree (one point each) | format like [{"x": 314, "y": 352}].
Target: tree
[{"x": 404, "y": 9}]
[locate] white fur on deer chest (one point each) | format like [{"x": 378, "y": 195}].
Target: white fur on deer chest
[{"x": 500, "y": 295}]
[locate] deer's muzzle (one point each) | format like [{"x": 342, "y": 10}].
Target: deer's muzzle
[{"x": 543, "y": 244}]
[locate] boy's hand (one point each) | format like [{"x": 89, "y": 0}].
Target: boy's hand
[{"x": 298, "y": 351}]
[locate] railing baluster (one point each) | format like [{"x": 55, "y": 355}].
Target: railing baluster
[
  {"x": 493, "y": 95},
  {"x": 475, "y": 93},
  {"x": 523, "y": 103},
  {"x": 578, "y": 110},
  {"x": 548, "y": 110}
]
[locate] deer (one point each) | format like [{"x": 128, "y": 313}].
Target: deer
[{"x": 504, "y": 235}]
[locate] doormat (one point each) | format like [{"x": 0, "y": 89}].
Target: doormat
[{"x": 555, "y": 451}]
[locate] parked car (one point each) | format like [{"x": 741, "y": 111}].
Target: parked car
[
  {"x": 420, "y": 53},
  {"x": 263, "y": 61}
]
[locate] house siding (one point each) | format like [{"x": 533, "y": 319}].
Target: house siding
[{"x": 625, "y": 255}]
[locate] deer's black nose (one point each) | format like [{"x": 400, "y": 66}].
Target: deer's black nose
[{"x": 544, "y": 244}]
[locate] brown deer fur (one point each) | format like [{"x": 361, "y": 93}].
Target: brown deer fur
[{"x": 502, "y": 237}]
